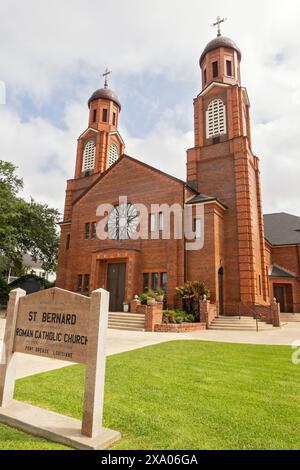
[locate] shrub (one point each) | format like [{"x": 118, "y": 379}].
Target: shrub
[
  {"x": 192, "y": 290},
  {"x": 146, "y": 295},
  {"x": 177, "y": 316},
  {"x": 190, "y": 293},
  {"x": 150, "y": 294},
  {"x": 160, "y": 291},
  {"x": 143, "y": 299}
]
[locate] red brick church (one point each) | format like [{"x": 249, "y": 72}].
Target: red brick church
[{"x": 237, "y": 263}]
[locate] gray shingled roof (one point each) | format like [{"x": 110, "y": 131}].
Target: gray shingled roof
[
  {"x": 275, "y": 271},
  {"x": 282, "y": 229},
  {"x": 204, "y": 198}
]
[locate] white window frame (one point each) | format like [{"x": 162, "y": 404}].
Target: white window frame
[
  {"x": 216, "y": 119},
  {"x": 89, "y": 153},
  {"x": 113, "y": 155}
]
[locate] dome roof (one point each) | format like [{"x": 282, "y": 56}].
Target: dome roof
[
  {"x": 220, "y": 41},
  {"x": 105, "y": 94}
]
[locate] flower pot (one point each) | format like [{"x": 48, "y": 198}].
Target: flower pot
[
  {"x": 159, "y": 298},
  {"x": 125, "y": 308},
  {"x": 151, "y": 302}
]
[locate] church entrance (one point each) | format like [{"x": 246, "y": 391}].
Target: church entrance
[
  {"x": 221, "y": 293},
  {"x": 283, "y": 293},
  {"x": 116, "y": 286},
  {"x": 279, "y": 296}
]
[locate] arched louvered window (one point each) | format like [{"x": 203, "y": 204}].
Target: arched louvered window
[
  {"x": 89, "y": 152},
  {"x": 215, "y": 118},
  {"x": 113, "y": 154}
]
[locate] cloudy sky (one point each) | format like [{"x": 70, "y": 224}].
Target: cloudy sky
[{"x": 52, "y": 55}]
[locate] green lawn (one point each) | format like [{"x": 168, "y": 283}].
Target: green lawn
[{"x": 182, "y": 395}]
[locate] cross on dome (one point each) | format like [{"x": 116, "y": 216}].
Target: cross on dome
[
  {"x": 106, "y": 75},
  {"x": 218, "y": 24}
]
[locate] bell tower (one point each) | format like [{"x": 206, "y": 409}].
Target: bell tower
[
  {"x": 222, "y": 164},
  {"x": 100, "y": 145}
]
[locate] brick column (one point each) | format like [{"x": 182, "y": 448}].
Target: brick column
[
  {"x": 153, "y": 316},
  {"x": 134, "y": 305},
  {"x": 203, "y": 310}
]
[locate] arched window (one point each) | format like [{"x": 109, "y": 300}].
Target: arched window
[
  {"x": 113, "y": 154},
  {"x": 89, "y": 151},
  {"x": 215, "y": 118}
]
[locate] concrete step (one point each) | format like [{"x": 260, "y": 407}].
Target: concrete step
[
  {"x": 139, "y": 320},
  {"x": 235, "y": 323},
  {"x": 289, "y": 317},
  {"x": 235, "y": 318},
  {"x": 140, "y": 324},
  {"x": 127, "y": 328},
  {"x": 239, "y": 328},
  {"x": 126, "y": 315},
  {"x": 222, "y": 320},
  {"x": 126, "y": 321}
]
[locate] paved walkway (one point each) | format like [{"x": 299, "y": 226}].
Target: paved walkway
[{"x": 119, "y": 341}]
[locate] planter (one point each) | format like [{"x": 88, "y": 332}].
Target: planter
[
  {"x": 159, "y": 298},
  {"x": 151, "y": 302},
  {"x": 178, "y": 327},
  {"x": 125, "y": 308}
]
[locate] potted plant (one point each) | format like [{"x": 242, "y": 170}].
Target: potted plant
[
  {"x": 150, "y": 298},
  {"x": 143, "y": 298},
  {"x": 125, "y": 306},
  {"x": 159, "y": 297}
]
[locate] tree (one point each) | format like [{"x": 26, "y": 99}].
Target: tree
[{"x": 25, "y": 227}]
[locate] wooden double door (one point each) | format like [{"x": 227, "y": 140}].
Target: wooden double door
[{"x": 116, "y": 286}]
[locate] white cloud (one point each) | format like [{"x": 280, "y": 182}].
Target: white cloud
[
  {"x": 43, "y": 44},
  {"x": 43, "y": 153}
]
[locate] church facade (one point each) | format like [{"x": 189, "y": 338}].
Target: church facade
[{"x": 221, "y": 192}]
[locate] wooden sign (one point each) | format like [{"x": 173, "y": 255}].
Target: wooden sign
[{"x": 61, "y": 325}]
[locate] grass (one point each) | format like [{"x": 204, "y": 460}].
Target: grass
[{"x": 182, "y": 395}]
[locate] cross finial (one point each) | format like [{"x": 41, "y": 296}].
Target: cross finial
[
  {"x": 218, "y": 24},
  {"x": 106, "y": 75}
]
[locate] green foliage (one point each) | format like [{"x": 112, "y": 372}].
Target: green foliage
[
  {"x": 4, "y": 291},
  {"x": 185, "y": 291},
  {"x": 177, "y": 316},
  {"x": 159, "y": 291},
  {"x": 192, "y": 290},
  {"x": 190, "y": 294},
  {"x": 150, "y": 294},
  {"x": 25, "y": 227},
  {"x": 145, "y": 296},
  {"x": 143, "y": 299}
]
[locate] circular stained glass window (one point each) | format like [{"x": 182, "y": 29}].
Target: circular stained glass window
[{"x": 122, "y": 222}]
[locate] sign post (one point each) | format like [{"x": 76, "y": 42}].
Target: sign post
[{"x": 61, "y": 325}]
